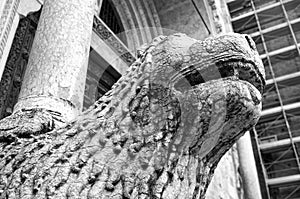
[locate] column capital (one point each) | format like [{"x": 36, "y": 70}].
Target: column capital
[{"x": 28, "y": 6}]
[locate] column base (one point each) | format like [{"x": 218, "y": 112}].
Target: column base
[{"x": 63, "y": 111}]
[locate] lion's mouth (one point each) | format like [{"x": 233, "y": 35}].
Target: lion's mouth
[{"x": 239, "y": 69}]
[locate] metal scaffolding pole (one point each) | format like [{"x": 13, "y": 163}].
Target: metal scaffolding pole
[
  {"x": 278, "y": 144},
  {"x": 284, "y": 78},
  {"x": 276, "y": 27},
  {"x": 259, "y": 10},
  {"x": 290, "y": 26},
  {"x": 276, "y": 32},
  {"x": 283, "y": 180},
  {"x": 276, "y": 87},
  {"x": 277, "y": 110},
  {"x": 279, "y": 51}
]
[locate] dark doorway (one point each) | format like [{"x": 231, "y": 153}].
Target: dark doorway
[{"x": 16, "y": 63}]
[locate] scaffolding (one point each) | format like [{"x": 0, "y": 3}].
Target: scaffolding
[{"x": 274, "y": 25}]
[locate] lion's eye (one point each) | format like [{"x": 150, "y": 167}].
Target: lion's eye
[
  {"x": 190, "y": 79},
  {"x": 225, "y": 69}
]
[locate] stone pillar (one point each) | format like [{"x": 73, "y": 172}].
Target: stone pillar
[
  {"x": 56, "y": 71},
  {"x": 248, "y": 168},
  {"x": 8, "y": 24}
]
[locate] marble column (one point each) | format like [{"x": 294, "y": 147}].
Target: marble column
[
  {"x": 248, "y": 168},
  {"x": 56, "y": 71}
]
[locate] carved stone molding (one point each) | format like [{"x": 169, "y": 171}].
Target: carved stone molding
[
  {"x": 10, "y": 9},
  {"x": 11, "y": 81},
  {"x": 112, "y": 40},
  {"x": 15, "y": 67},
  {"x": 6, "y": 20},
  {"x": 216, "y": 16},
  {"x": 220, "y": 16}
]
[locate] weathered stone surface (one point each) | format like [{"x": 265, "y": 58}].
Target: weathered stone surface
[
  {"x": 8, "y": 11},
  {"x": 55, "y": 76},
  {"x": 30, "y": 122},
  {"x": 16, "y": 63},
  {"x": 159, "y": 133}
]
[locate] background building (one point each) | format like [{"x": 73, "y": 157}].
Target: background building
[
  {"x": 120, "y": 27},
  {"x": 274, "y": 25}
]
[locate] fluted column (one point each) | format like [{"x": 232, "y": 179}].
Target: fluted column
[{"x": 56, "y": 71}]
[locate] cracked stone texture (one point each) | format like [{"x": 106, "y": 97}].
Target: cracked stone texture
[
  {"x": 159, "y": 133},
  {"x": 58, "y": 60}
]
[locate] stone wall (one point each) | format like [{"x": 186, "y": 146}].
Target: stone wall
[{"x": 182, "y": 16}]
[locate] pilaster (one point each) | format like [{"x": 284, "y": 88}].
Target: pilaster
[{"x": 8, "y": 23}]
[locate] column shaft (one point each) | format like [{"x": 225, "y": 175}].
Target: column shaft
[
  {"x": 56, "y": 71},
  {"x": 248, "y": 168}
]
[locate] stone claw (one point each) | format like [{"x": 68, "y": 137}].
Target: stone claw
[{"x": 25, "y": 124}]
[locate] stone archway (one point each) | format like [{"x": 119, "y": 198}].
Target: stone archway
[{"x": 140, "y": 20}]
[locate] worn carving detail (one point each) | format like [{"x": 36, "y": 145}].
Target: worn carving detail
[
  {"x": 64, "y": 85},
  {"x": 36, "y": 120},
  {"x": 216, "y": 16},
  {"x": 111, "y": 39},
  {"x": 15, "y": 67},
  {"x": 159, "y": 133},
  {"x": 6, "y": 20}
]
